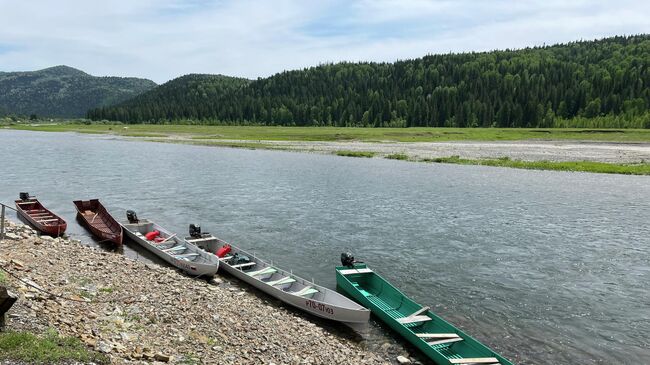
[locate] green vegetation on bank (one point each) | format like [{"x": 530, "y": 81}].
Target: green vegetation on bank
[
  {"x": 602, "y": 83},
  {"x": 397, "y": 156},
  {"x": 578, "y": 166},
  {"x": 267, "y": 133},
  {"x": 366, "y": 154},
  {"x": 45, "y": 349}
]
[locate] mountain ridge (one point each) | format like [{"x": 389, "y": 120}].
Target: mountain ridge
[
  {"x": 529, "y": 87},
  {"x": 64, "y": 91}
]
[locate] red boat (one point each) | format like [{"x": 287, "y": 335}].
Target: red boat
[
  {"x": 40, "y": 217},
  {"x": 99, "y": 221}
]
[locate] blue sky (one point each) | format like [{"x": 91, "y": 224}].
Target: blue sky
[{"x": 163, "y": 39}]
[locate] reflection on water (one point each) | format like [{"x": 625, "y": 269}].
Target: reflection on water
[{"x": 545, "y": 267}]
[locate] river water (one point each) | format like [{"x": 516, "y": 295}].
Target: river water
[{"x": 544, "y": 267}]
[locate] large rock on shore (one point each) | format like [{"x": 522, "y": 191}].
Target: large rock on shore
[{"x": 141, "y": 313}]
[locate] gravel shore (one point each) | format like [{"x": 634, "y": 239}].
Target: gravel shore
[
  {"x": 556, "y": 151},
  {"x": 142, "y": 313}
]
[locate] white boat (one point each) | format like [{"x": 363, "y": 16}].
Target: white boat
[
  {"x": 284, "y": 285},
  {"x": 175, "y": 250}
]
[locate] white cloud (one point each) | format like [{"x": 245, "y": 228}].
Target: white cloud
[{"x": 165, "y": 39}]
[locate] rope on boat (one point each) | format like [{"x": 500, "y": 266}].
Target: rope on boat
[{"x": 123, "y": 299}]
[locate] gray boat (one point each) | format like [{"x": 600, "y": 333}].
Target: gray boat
[
  {"x": 281, "y": 284},
  {"x": 171, "y": 248}
]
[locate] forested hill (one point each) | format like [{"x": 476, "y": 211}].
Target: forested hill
[
  {"x": 190, "y": 96},
  {"x": 64, "y": 91},
  {"x": 522, "y": 88}
]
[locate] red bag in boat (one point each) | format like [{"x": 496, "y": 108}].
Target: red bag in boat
[
  {"x": 151, "y": 235},
  {"x": 221, "y": 252},
  {"x": 158, "y": 239}
]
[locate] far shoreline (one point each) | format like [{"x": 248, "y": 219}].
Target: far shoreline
[{"x": 617, "y": 151}]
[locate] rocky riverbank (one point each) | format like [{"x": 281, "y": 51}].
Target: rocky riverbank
[{"x": 141, "y": 313}]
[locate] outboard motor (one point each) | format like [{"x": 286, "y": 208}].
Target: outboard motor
[
  {"x": 24, "y": 196},
  {"x": 195, "y": 231},
  {"x": 131, "y": 216},
  {"x": 347, "y": 259}
]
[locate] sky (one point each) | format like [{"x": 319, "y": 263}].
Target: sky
[{"x": 163, "y": 39}]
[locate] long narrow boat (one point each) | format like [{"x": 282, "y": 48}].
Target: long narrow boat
[
  {"x": 99, "y": 221},
  {"x": 175, "y": 250},
  {"x": 40, "y": 217},
  {"x": 438, "y": 339},
  {"x": 284, "y": 285}
]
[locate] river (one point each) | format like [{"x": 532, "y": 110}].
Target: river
[{"x": 544, "y": 267}]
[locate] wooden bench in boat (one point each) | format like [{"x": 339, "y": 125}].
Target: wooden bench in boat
[
  {"x": 476, "y": 360},
  {"x": 285, "y": 280},
  {"x": 305, "y": 291},
  {"x": 225, "y": 258},
  {"x": 355, "y": 271},
  {"x": 28, "y": 202},
  {"x": 264, "y": 271},
  {"x": 47, "y": 220},
  {"x": 246, "y": 264},
  {"x": 415, "y": 317}
]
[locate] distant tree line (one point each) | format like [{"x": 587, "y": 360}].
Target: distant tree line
[{"x": 534, "y": 87}]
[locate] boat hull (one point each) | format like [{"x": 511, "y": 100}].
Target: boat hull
[
  {"x": 321, "y": 302},
  {"x": 93, "y": 216},
  {"x": 189, "y": 267},
  {"x": 391, "y": 306},
  {"x": 41, "y": 218}
]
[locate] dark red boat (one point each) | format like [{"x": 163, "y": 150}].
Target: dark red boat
[
  {"x": 40, "y": 217},
  {"x": 99, "y": 221}
]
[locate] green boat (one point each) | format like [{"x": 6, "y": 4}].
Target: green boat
[{"x": 438, "y": 339}]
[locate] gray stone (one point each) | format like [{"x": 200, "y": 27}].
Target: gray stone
[{"x": 403, "y": 360}]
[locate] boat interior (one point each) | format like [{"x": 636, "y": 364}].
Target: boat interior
[
  {"x": 436, "y": 332},
  {"x": 37, "y": 212},
  {"x": 96, "y": 215},
  {"x": 171, "y": 244}
]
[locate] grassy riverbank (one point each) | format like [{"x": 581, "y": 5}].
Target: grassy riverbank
[
  {"x": 348, "y": 134},
  {"x": 469, "y": 148},
  {"x": 46, "y": 349},
  {"x": 578, "y": 166}
]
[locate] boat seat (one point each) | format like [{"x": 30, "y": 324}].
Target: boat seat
[
  {"x": 415, "y": 317},
  {"x": 445, "y": 341},
  {"x": 436, "y": 335},
  {"x": 246, "y": 264},
  {"x": 285, "y": 280},
  {"x": 305, "y": 291},
  {"x": 355, "y": 271},
  {"x": 195, "y": 240},
  {"x": 186, "y": 255},
  {"x": 264, "y": 271},
  {"x": 225, "y": 258},
  {"x": 175, "y": 248},
  {"x": 47, "y": 220},
  {"x": 476, "y": 360},
  {"x": 22, "y": 203}
]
